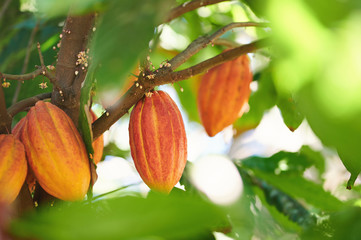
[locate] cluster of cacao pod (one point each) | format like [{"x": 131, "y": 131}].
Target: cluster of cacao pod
[
  {"x": 55, "y": 153},
  {"x": 158, "y": 141},
  {"x": 156, "y": 131},
  {"x": 223, "y": 94}
]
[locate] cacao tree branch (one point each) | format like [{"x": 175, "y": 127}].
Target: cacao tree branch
[
  {"x": 22, "y": 77},
  {"x": 45, "y": 72},
  {"x": 164, "y": 75},
  {"x": 69, "y": 74},
  {"x": 189, "y": 6},
  {"x": 204, "y": 41},
  {"x": 27, "y": 103},
  {"x": 225, "y": 42},
  {"x": 219, "y": 59},
  {"x": 5, "y": 119}
]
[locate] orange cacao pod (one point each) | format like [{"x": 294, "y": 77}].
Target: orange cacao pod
[
  {"x": 158, "y": 142},
  {"x": 98, "y": 144},
  {"x": 18, "y": 128},
  {"x": 13, "y": 167},
  {"x": 56, "y": 152},
  {"x": 223, "y": 93},
  {"x": 30, "y": 178}
]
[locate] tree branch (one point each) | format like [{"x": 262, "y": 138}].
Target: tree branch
[
  {"x": 22, "y": 77},
  {"x": 162, "y": 76},
  {"x": 5, "y": 119},
  {"x": 69, "y": 74},
  {"x": 189, "y": 6},
  {"x": 27, "y": 103},
  {"x": 42, "y": 70},
  {"x": 219, "y": 59},
  {"x": 204, "y": 41}
]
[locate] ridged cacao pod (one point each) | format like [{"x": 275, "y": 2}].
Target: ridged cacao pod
[
  {"x": 18, "y": 128},
  {"x": 13, "y": 167},
  {"x": 223, "y": 93},
  {"x": 56, "y": 152},
  {"x": 158, "y": 142},
  {"x": 30, "y": 178},
  {"x": 98, "y": 144}
]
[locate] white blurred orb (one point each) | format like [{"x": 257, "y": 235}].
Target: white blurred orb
[{"x": 218, "y": 178}]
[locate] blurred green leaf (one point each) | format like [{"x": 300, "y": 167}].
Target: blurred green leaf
[
  {"x": 53, "y": 8},
  {"x": 291, "y": 115},
  {"x": 325, "y": 83},
  {"x": 344, "y": 224},
  {"x": 336, "y": 10},
  {"x": 123, "y": 218},
  {"x": 122, "y": 35}
]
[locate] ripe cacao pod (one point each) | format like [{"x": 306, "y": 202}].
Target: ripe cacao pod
[
  {"x": 158, "y": 142},
  {"x": 18, "y": 128},
  {"x": 56, "y": 152},
  {"x": 30, "y": 178},
  {"x": 98, "y": 144},
  {"x": 223, "y": 93},
  {"x": 13, "y": 167}
]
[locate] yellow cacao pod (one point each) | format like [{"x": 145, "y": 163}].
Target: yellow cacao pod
[
  {"x": 223, "y": 93},
  {"x": 56, "y": 152},
  {"x": 13, "y": 167},
  {"x": 158, "y": 142},
  {"x": 98, "y": 144}
]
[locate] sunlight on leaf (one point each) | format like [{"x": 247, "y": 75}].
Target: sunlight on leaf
[{"x": 301, "y": 39}]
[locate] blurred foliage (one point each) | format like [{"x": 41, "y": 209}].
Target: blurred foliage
[
  {"x": 158, "y": 216},
  {"x": 311, "y": 72},
  {"x": 284, "y": 171},
  {"x": 117, "y": 50}
]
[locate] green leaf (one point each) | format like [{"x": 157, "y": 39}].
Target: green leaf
[
  {"x": 84, "y": 124},
  {"x": 292, "y": 117},
  {"x": 280, "y": 162},
  {"x": 123, "y": 218},
  {"x": 276, "y": 214},
  {"x": 113, "y": 150},
  {"x": 53, "y": 8},
  {"x": 317, "y": 159},
  {"x": 298, "y": 187},
  {"x": 188, "y": 97},
  {"x": 122, "y": 35}
]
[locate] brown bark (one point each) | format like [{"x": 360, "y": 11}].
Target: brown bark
[{"x": 69, "y": 75}]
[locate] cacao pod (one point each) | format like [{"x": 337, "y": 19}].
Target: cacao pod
[
  {"x": 158, "y": 142},
  {"x": 30, "y": 178},
  {"x": 13, "y": 167},
  {"x": 98, "y": 144},
  {"x": 18, "y": 128},
  {"x": 56, "y": 152},
  {"x": 223, "y": 93}
]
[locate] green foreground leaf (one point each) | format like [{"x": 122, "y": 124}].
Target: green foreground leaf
[{"x": 123, "y": 218}]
